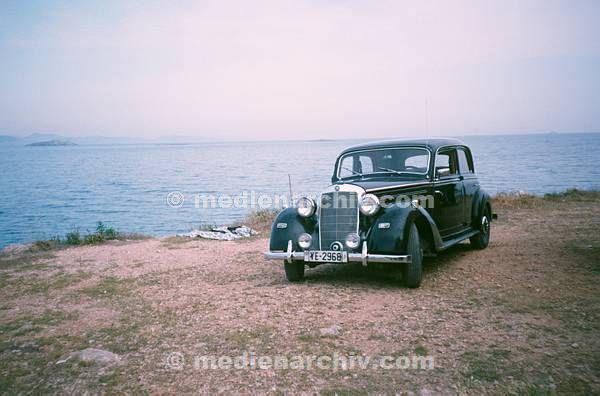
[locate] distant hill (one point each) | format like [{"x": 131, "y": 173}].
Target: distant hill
[
  {"x": 53, "y": 142},
  {"x": 44, "y": 138}
]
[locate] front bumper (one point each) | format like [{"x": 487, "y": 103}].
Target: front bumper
[{"x": 364, "y": 257}]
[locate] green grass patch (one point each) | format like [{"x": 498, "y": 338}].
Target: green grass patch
[
  {"x": 109, "y": 287},
  {"x": 25, "y": 261},
  {"x": 34, "y": 284},
  {"x": 488, "y": 366},
  {"x": 342, "y": 391},
  {"x": 420, "y": 350},
  {"x": 32, "y": 323}
]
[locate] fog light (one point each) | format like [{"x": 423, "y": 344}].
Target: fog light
[
  {"x": 352, "y": 241},
  {"x": 304, "y": 240}
]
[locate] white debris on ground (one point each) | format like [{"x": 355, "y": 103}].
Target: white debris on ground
[
  {"x": 93, "y": 355},
  {"x": 332, "y": 331},
  {"x": 222, "y": 233}
]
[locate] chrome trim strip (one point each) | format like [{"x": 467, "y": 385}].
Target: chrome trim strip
[
  {"x": 444, "y": 182},
  {"x": 426, "y": 183}
]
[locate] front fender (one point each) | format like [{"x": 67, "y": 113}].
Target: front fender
[
  {"x": 295, "y": 225},
  {"x": 391, "y": 240}
]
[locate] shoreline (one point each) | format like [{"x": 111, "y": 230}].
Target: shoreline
[{"x": 261, "y": 220}]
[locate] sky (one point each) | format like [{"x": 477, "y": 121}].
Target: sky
[{"x": 303, "y": 69}]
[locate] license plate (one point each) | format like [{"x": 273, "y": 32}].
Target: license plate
[{"x": 325, "y": 256}]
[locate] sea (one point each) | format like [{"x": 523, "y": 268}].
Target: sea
[{"x": 161, "y": 189}]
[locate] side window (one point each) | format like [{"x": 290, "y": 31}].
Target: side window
[
  {"x": 417, "y": 162},
  {"x": 366, "y": 164},
  {"x": 466, "y": 166},
  {"x": 445, "y": 163}
]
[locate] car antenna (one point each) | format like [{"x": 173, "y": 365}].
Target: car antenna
[
  {"x": 427, "y": 120},
  {"x": 291, "y": 194}
]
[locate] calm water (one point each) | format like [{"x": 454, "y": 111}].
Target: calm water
[{"x": 48, "y": 191}]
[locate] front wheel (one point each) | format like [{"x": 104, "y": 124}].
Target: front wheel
[
  {"x": 481, "y": 240},
  {"x": 294, "y": 272},
  {"x": 412, "y": 273}
]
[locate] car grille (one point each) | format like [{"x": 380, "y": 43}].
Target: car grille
[{"x": 338, "y": 217}]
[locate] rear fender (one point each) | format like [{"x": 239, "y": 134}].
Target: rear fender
[{"x": 480, "y": 202}]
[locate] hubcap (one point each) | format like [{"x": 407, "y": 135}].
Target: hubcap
[{"x": 485, "y": 224}]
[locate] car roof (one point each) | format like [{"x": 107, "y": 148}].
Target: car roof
[{"x": 431, "y": 143}]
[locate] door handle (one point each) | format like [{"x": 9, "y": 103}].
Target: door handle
[{"x": 441, "y": 195}]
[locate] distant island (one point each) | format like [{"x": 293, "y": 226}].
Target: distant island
[{"x": 54, "y": 142}]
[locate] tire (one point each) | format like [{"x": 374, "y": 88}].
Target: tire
[
  {"x": 481, "y": 240},
  {"x": 294, "y": 272},
  {"x": 413, "y": 273}
]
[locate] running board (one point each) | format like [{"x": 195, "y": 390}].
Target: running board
[{"x": 455, "y": 240}]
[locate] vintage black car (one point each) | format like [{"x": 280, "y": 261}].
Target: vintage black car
[{"x": 389, "y": 202}]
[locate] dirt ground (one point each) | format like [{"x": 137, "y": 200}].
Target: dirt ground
[{"x": 522, "y": 316}]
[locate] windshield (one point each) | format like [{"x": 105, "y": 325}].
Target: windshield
[{"x": 405, "y": 161}]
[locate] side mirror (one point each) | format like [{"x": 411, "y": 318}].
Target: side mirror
[{"x": 442, "y": 172}]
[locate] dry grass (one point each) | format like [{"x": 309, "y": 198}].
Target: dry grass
[
  {"x": 519, "y": 200},
  {"x": 520, "y": 317},
  {"x": 261, "y": 220}
]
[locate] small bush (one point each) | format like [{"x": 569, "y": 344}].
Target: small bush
[
  {"x": 44, "y": 245},
  {"x": 73, "y": 238},
  {"x": 106, "y": 233},
  {"x": 102, "y": 234},
  {"x": 261, "y": 220}
]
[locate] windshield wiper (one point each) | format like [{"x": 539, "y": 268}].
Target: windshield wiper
[
  {"x": 353, "y": 171},
  {"x": 391, "y": 170}
]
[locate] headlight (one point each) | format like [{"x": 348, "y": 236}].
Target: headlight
[
  {"x": 352, "y": 240},
  {"x": 306, "y": 207},
  {"x": 369, "y": 204},
  {"x": 304, "y": 240}
]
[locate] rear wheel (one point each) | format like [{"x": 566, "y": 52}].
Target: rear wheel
[
  {"x": 294, "y": 272},
  {"x": 481, "y": 240},
  {"x": 413, "y": 273}
]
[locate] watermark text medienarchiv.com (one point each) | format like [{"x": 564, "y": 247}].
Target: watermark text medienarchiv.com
[
  {"x": 335, "y": 361},
  {"x": 261, "y": 201}
]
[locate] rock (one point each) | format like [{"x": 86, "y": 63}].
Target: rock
[
  {"x": 332, "y": 331},
  {"x": 99, "y": 356}
]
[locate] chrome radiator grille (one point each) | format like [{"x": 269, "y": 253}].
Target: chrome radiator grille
[{"x": 338, "y": 217}]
